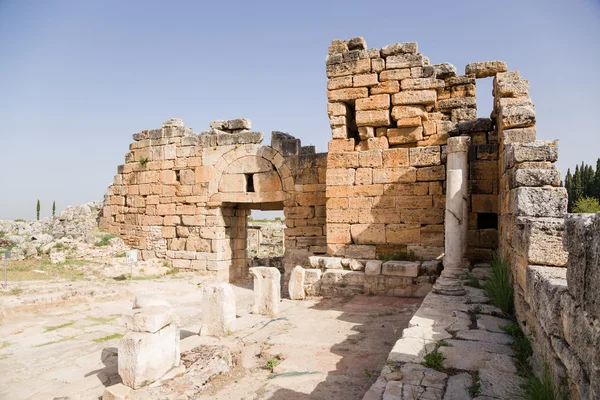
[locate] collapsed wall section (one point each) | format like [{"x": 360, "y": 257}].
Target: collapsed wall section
[{"x": 391, "y": 114}]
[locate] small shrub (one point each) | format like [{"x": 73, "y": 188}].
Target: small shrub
[
  {"x": 499, "y": 286},
  {"x": 37, "y": 210},
  {"x": 586, "y": 205},
  {"x": 59, "y": 246},
  {"x": 104, "y": 240},
  {"x": 172, "y": 271},
  {"x": 474, "y": 313},
  {"x": 144, "y": 161},
  {"x": 121, "y": 254},
  {"x": 434, "y": 360}
]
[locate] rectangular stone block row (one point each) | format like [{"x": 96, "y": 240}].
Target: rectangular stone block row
[{"x": 382, "y": 233}]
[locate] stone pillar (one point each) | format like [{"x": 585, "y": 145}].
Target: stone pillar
[
  {"x": 456, "y": 217},
  {"x": 151, "y": 347},
  {"x": 267, "y": 290},
  {"x": 218, "y": 310},
  {"x": 296, "y": 284}
]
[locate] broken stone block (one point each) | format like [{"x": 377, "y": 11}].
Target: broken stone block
[
  {"x": 296, "y": 283},
  {"x": 117, "y": 392},
  {"x": 393, "y": 391},
  {"x": 218, "y": 310},
  {"x": 267, "y": 290},
  {"x": 539, "y": 201},
  {"x": 331, "y": 262},
  {"x": 444, "y": 70},
  {"x": 148, "y": 300},
  {"x": 356, "y": 265},
  {"x": 148, "y": 351},
  {"x": 399, "y": 48}
]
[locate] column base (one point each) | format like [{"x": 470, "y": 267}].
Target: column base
[{"x": 448, "y": 287}]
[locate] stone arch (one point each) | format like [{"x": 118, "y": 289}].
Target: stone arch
[{"x": 272, "y": 178}]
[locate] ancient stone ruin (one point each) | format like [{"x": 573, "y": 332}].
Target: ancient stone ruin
[{"x": 410, "y": 173}]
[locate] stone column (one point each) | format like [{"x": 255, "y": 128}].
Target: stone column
[
  {"x": 456, "y": 217},
  {"x": 218, "y": 310},
  {"x": 296, "y": 283},
  {"x": 267, "y": 290}
]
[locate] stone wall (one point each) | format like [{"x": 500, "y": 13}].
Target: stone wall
[
  {"x": 560, "y": 311},
  {"x": 391, "y": 114},
  {"x": 186, "y": 197}
]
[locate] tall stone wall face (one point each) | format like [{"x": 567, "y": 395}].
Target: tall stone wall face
[
  {"x": 186, "y": 197},
  {"x": 532, "y": 202},
  {"x": 391, "y": 114},
  {"x": 559, "y": 310}
]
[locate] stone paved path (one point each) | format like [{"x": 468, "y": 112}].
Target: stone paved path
[{"x": 477, "y": 354}]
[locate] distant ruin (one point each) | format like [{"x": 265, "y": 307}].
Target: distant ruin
[{"x": 382, "y": 188}]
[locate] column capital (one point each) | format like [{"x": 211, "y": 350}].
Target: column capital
[{"x": 458, "y": 144}]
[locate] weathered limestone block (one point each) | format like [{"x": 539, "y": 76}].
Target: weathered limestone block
[
  {"x": 539, "y": 202},
  {"x": 415, "y": 97},
  {"x": 535, "y": 177},
  {"x": 539, "y": 150},
  {"x": 296, "y": 283},
  {"x": 476, "y": 125},
  {"x": 267, "y": 290},
  {"x": 376, "y": 102},
  {"x": 421, "y": 84},
  {"x": 516, "y": 114},
  {"x": 373, "y": 118},
  {"x": 400, "y": 268},
  {"x": 399, "y": 48},
  {"x": 226, "y": 139},
  {"x": 458, "y": 102},
  {"x": 373, "y": 267},
  {"x": 582, "y": 241},
  {"x": 486, "y": 68},
  {"x": 425, "y": 156},
  {"x": 218, "y": 310},
  {"x": 540, "y": 240},
  {"x": 544, "y": 289},
  {"x": 404, "y": 61},
  {"x": 151, "y": 348}
]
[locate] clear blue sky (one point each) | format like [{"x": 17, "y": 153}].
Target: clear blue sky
[{"x": 77, "y": 78}]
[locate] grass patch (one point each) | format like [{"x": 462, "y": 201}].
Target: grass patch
[
  {"x": 24, "y": 270},
  {"x": 474, "y": 314},
  {"x": 121, "y": 254},
  {"x": 102, "y": 321},
  {"x": 55, "y": 327},
  {"x": 543, "y": 388},
  {"x": 12, "y": 292},
  {"x": 521, "y": 346},
  {"x": 107, "y": 338},
  {"x": 5, "y": 344},
  {"x": 499, "y": 286},
  {"x": 403, "y": 256},
  {"x": 104, "y": 240},
  {"x": 125, "y": 277}
]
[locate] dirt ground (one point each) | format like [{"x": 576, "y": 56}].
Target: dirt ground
[{"x": 60, "y": 338}]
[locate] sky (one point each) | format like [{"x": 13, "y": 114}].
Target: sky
[{"x": 78, "y": 78}]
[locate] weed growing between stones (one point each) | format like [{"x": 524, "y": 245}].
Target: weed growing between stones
[
  {"x": 434, "y": 359},
  {"x": 475, "y": 388},
  {"x": 522, "y": 347},
  {"x": 55, "y": 327},
  {"x": 104, "y": 240},
  {"x": 273, "y": 362},
  {"x": 12, "y": 292},
  {"x": 144, "y": 162},
  {"x": 499, "y": 286},
  {"x": 474, "y": 315}
]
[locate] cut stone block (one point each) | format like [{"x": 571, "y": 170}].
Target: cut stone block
[
  {"x": 267, "y": 290},
  {"x": 373, "y": 267},
  {"x": 400, "y": 268},
  {"x": 145, "y": 357},
  {"x": 117, "y": 392},
  {"x": 296, "y": 283},
  {"x": 218, "y": 310}
]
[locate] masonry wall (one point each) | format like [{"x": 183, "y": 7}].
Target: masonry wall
[
  {"x": 391, "y": 114},
  {"x": 185, "y": 197}
]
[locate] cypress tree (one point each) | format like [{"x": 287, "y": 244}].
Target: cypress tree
[
  {"x": 53, "y": 209},
  {"x": 569, "y": 187},
  {"x": 577, "y": 185},
  {"x": 596, "y": 193},
  {"x": 37, "y": 210}
]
